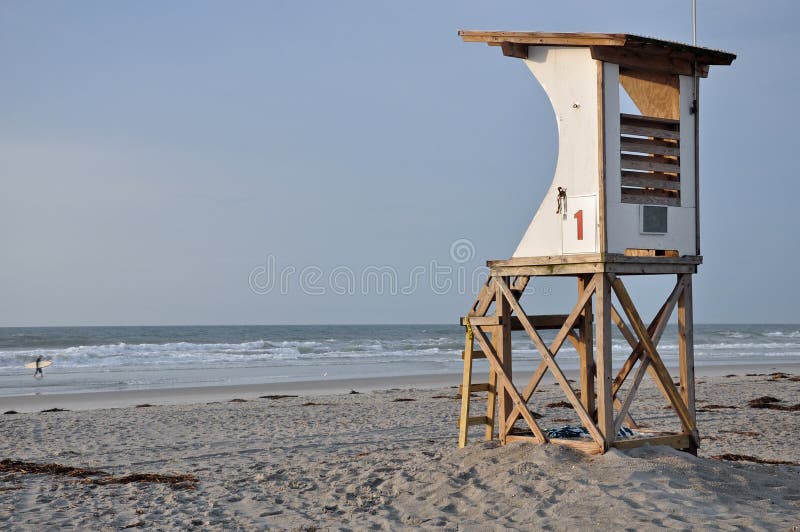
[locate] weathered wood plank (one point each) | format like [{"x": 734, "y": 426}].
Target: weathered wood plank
[
  {"x": 476, "y": 387},
  {"x": 543, "y": 321},
  {"x": 512, "y": 49},
  {"x": 586, "y": 351},
  {"x": 635, "y": 252},
  {"x": 554, "y": 269},
  {"x": 491, "y": 404},
  {"x": 501, "y": 340},
  {"x": 594, "y": 263},
  {"x": 601, "y": 157},
  {"x": 650, "y": 197},
  {"x": 646, "y": 180},
  {"x": 686, "y": 347},
  {"x": 655, "y": 146},
  {"x": 475, "y": 420},
  {"x": 653, "y": 93},
  {"x": 520, "y": 283},
  {"x": 475, "y": 354},
  {"x": 517, "y": 437},
  {"x": 483, "y": 301},
  {"x": 642, "y": 131},
  {"x": 646, "y": 62},
  {"x": 605, "y": 407},
  {"x": 466, "y": 380},
  {"x": 650, "y": 121},
  {"x": 651, "y": 193},
  {"x": 677, "y": 441},
  {"x": 590, "y": 258},
  {"x": 542, "y": 38},
  {"x": 646, "y": 47},
  {"x": 584, "y": 446},
  {"x": 655, "y": 163}
]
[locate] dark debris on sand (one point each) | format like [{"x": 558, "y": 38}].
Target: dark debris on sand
[
  {"x": 186, "y": 481},
  {"x": 55, "y": 410},
  {"x": 730, "y": 457},
  {"x": 275, "y": 397},
  {"x": 32, "y": 468},
  {"x": 709, "y": 408},
  {"x": 771, "y": 403},
  {"x": 739, "y": 432}
]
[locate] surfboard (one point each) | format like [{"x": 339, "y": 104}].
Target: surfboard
[{"x": 42, "y": 364}]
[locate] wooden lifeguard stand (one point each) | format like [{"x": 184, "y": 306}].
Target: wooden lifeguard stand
[{"x": 624, "y": 201}]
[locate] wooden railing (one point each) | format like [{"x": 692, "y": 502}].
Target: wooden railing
[{"x": 650, "y": 160}]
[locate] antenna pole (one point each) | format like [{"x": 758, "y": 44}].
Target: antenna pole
[{"x": 694, "y": 22}]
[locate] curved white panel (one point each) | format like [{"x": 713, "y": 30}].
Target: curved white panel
[{"x": 569, "y": 76}]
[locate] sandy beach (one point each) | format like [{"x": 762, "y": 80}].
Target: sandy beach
[{"x": 388, "y": 459}]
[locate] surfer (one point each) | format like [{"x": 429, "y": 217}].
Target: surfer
[{"x": 38, "y": 373}]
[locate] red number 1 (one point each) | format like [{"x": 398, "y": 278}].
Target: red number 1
[{"x": 579, "y": 216}]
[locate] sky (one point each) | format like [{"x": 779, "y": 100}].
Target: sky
[{"x": 165, "y": 162}]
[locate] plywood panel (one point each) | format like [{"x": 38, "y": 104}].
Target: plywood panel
[{"x": 654, "y": 93}]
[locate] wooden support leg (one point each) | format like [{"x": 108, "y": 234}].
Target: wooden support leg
[
  {"x": 686, "y": 351},
  {"x": 586, "y": 353},
  {"x": 501, "y": 340},
  {"x": 605, "y": 404},
  {"x": 491, "y": 403},
  {"x": 466, "y": 381}
]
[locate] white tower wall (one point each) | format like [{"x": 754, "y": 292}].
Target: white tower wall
[{"x": 569, "y": 76}]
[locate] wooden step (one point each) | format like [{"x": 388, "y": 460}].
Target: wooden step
[
  {"x": 478, "y": 387},
  {"x": 476, "y": 420},
  {"x": 541, "y": 322},
  {"x": 475, "y": 354}
]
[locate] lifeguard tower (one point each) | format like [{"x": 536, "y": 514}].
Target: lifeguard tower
[{"x": 624, "y": 201}]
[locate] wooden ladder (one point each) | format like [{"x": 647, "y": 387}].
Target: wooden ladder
[
  {"x": 480, "y": 307},
  {"x": 467, "y": 387}
]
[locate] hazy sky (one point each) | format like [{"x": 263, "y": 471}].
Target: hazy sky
[{"x": 154, "y": 154}]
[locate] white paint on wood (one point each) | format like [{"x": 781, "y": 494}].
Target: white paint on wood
[
  {"x": 687, "y": 142},
  {"x": 569, "y": 77},
  {"x": 626, "y": 230},
  {"x": 581, "y": 210},
  {"x": 623, "y": 219},
  {"x": 613, "y": 171}
]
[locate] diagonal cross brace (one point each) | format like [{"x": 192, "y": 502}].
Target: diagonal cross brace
[
  {"x": 505, "y": 382},
  {"x": 661, "y": 371},
  {"x": 551, "y": 363},
  {"x": 654, "y": 331},
  {"x": 566, "y": 329}
]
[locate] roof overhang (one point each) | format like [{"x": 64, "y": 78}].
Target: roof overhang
[{"x": 631, "y": 51}]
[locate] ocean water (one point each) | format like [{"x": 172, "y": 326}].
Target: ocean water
[{"x": 127, "y": 358}]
